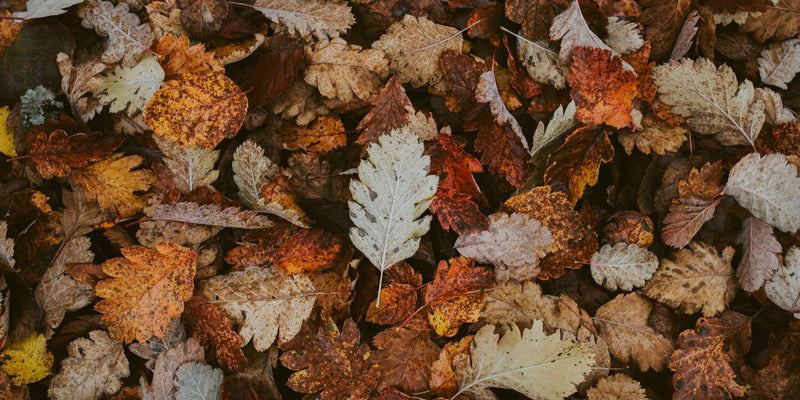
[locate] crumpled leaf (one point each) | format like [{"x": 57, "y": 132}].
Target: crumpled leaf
[
  {"x": 304, "y": 18},
  {"x": 697, "y": 279},
  {"x": 405, "y": 358},
  {"x": 776, "y": 200},
  {"x": 779, "y": 63},
  {"x": 166, "y": 364},
  {"x": 344, "y": 71},
  {"x": 623, "y": 324},
  {"x": 779, "y": 22},
  {"x": 93, "y": 368},
  {"x": 77, "y": 81},
  {"x": 576, "y": 164},
  {"x": 57, "y": 153},
  {"x": 211, "y": 214},
  {"x": 760, "y": 254},
  {"x": 697, "y": 199},
  {"x": 44, "y": 8},
  {"x": 112, "y": 185},
  {"x": 617, "y": 386},
  {"x": 127, "y": 38},
  {"x": 623, "y": 266},
  {"x": 251, "y": 171},
  {"x": 514, "y": 243},
  {"x": 784, "y": 286},
  {"x": 191, "y": 167},
  {"x": 457, "y": 294},
  {"x": 26, "y": 360},
  {"x": 198, "y": 381},
  {"x": 140, "y": 305},
  {"x": 213, "y": 330},
  {"x": 178, "y": 57},
  {"x": 601, "y": 88},
  {"x": 130, "y": 88},
  {"x": 262, "y": 303},
  {"x": 653, "y": 136}
]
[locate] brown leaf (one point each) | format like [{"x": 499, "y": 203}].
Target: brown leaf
[
  {"x": 345, "y": 72},
  {"x": 663, "y": 20},
  {"x": 760, "y": 254},
  {"x": 323, "y": 135},
  {"x": 457, "y": 294},
  {"x": 654, "y": 136},
  {"x": 783, "y": 138},
  {"x": 443, "y": 380},
  {"x": 601, "y": 88},
  {"x": 779, "y": 22},
  {"x": 397, "y": 302},
  {"x": 112, "y": 184},
  {"x": 237, "y": 388},
  {"x": 405, "y": 359},
  {"x": 707, "y": 363},
  {"x": 209, "y": 327},
  {"x": 127, "y": 37},
  {"x": 698, "y": 197},
  {"x": 576, "y": 164},
  {"x": 391, "y": 109},
  {"x": 275, "y": 70},
  {"x": 630, "y": 227},
  {"x": 204, "y": 18},
  {"x": 210, "y": 214},
  {"x": 618, "y": 386},
  {"x": 779, "y": 377},
  {"x": 535, "y": 16},
  {"x": 178, "y": 57},
  {"x": 57, "y": 153},
  {"x": 310, "y": 250}
]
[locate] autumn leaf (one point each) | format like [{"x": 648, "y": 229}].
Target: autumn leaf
[
  {"x": 697, "y": 198},
  {"x": 44, "y": 8},
  {"x": 302, "y": 101},
  {"x": 251, "y": 171},
  {"x": 576, "y": 164},
  {"x": 26, "y": 360},
  {"x": 324, "y": 134},
  {"x": 783, "y": 287},
  {"x": 57, "y": 153},
  {"x": 94, "y": 367},
  {"x": 654, "y": 136},
  {"x": 130, "y": 88},
  {"x": 779, "y": 21},
  {"x": 391, "y": 109},
  {"x": 779, "y": 63},
  {"x": 708, "y": 360},
  {"x": 623, "y": 266},
  {"x": 310, "y": 250},
  {"x": 178, "y": 57},
  {"x": 617, "y": 386},
  {"x": 397, "y": 302},
  {"x": 211, "y": 214},
  {"x": 197, "y": 109},
  {"x": 534, "y": 16},
  {"x": 663, "y": 21},
  {"x": 77, "y": 81},
  {"x": 502, "y": 151},
  {"x": 344, "y": 71},
  {"x": 213, "y": 330},
  {"x": 457, "y": 294},
  {"x": 405, "y": 357},
  {"x": 570, "y": 26},
  {"x": 166, "y": 364},
  {"x": 486, "y": 91},
  {"x": 127, "y": 37},
  {"x": 760, "y": 254},
  {"x": 630, "y": 227},
  {"x": 601, "y": 88},
  {"x": 304, "y": 18},
  {"x": 112, "y": 184},
  {"x": 777, "y": 378},
  {"x": 138, "y": 306},
  {"x": 197, "y": 381},
  {"x": 190, "y": 167},
  {"x": 563, "y": 121}
]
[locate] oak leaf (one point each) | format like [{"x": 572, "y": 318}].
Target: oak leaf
[
  {"x": 324, "y": 134},
  {"x": 304, "y": 18},
  {"x": 211, "y": 214},
  {"x": 776, "y": 200},
  {"x": 112, "y": 185},
  {"x": 191, "y": 167},
  {"x": 344, "y": 71},
  {"x": 56, "y": 153},
  {"x": 178, "y": 57},
  {"x": 697, "y": 279},
  {"x": 251, "y": 171},
  {"x": 405, "y": 357},
  {"x": 310, "y": 250},
  {"x": 623, "y": 266},
  {"x": 617, "y": 386},
  {"x": 275, "y": 70},
  {"x": 779, "y": 63},
  {"x": 760, "y": 254},
  {"x": 654, "y": 136},
  {"x": 130, "y": 88},
  {"x": 697, "y": 199},
  {"x": 138, "y": 306},
  {"x": 779, "y": 22},
  {"x": 457, "y": 294},
  {"x": 127, "y": 37},
  {"x": 708, "y": 359},
  {"x": 94, "y": 367},
  {"x": 26, "y": 360},
  {"x": 784, "y": 286},
  {"x": 262, "y": 303},
  {"x": 197, "y": 381},
  {"x": 197, "y": 109},
  {"x": 601, "y": 88},
  {"x": 576, "y": 164},
  {"x": 623, "y": 324},
  {"x": 214, "y": 331},
  {"x": 44, "y": 8}
]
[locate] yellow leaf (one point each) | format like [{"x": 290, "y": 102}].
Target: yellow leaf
[
  {"x": 112, "y": 184},
  {"x": 27, "y": 360},
  {"x": 6, "y": 134}
]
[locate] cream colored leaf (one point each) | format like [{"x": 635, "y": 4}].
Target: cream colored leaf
[
  {"x": 345, "y": 71},
  {"x": 197, "y": 381},
  {"x": 44, "y": 8},
  {"x": 263, "y": 303},
  {"x": 760, "y": 250},
  {"x": 94, "y": 368},
  {"x": 698, "y": 279},
  {"x": 623, "y": 36},
  {"x": 130, "y": 88},
  {"x": 623, "y": 266},
  {"x": 304, "y": 18},
  {"x": 540, "y": 61},
  {"x": 154, "y": 346},
  {"x": 784, "y": 287},
  {"x": 779, "y": 63},
  {"x": 423, "y": 125},
  {"x": 514, "y": 244},
  {"x": 77, "y": 81},
  {"x": 622, "y": 322},
  {"x": 251, "y": 171},
  {"x": 562, "y": 122},
  {"x": 726, "y": 17},
  {"x": 533, "y": 363},
  {"x": 712, "y": 98},
  {"x": 769, "y": 188},
  {"x": 414, "y": 46},
  {"x": 166, "y": 364},
  {"x": 302, "y": 101},
  {"x": 392, "y": 191},
  {"x": 6, "y": 246},
  {"x": 572, "y": 29},
  {"x": 127, "y": 37},
  {"x": 211, "y": 214},
  {"x": 617, "y": 387},
  {"x": 653, "y": 137},
  {"x": 773, "y": 106},
  {"x": 486, "y": 92},
  {"x": 191, "y": 167}
]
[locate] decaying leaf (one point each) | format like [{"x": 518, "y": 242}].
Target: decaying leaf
[
  {"x": 324, "y": 134},
  {"x": 251, "y": 171},
  {"x": 113, "y": 186},
  {"x": 127, "y": 38},
  {"x": 211, "y": 214},
  {"x": 392, "y": 110},
  {"x": 130, "y": 88},
  {"x": 57, "y": 153},
  {"x": 784, "y": 287},
  {"x": 535, "y": 16},
  {"x": 618, "y": 386},
  {"x": 26, "y": 360},
  {"x": 406, "y": 356},
  {"x": 760, "y": 250},
  {"x": 653, "y": 136},
  {"x": 562, "y": 122},
  {"x": 304, "y": 18},
  {"x": 601, "y": 88},
  {"x": 780, "y": 21},
  {"x": 697, "y": 199},
  {"x": 191, "y": 167},
  {"x": 486, "y": 91},
  {"x": 541, "y": 61},
  {"x": 45, "y": 8},
  {"x": 576, "y": 164},
  {"x": 623, "y": 36},
  {"x": 345, "y": 71},
  {"x": 457, "y": 294},
  {"x": 213, "y": 330},
  {"x": 178, "y": 57},
  {"x": 623, "y": 266},
  {"x": 166, "y": 364},
  {"x": 77, "y": 81},
  {"x": 397, "y": 303},
  {"x": 779, "y": 63},
  {"x": 197, "y": 381},
  {"x": 94, "y": 367},
  {"x": 571, "y": 27}
]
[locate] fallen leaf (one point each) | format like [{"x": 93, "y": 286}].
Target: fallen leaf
[
  {"x": 397, "y": 303},
  {"x": 654, "y": 136},
  {"x": 697, "y": 199},
  {"x": 405, "y": 358},
  {"x": 112, "y": 184},
  {"x": 310, "y": 250},
  {"x": 392, "y": 109},
  {"x": 276, "y": 70},
  {"x": 777, "y": 378},
  {"x": 782, "y": 288},
  {"x": 779, "y": 63},
  {"x": 563, "y": 121},
  {"x": 623, "y": 36},
  {"x": 760, "y": 254},
  {"x": 162, "y": 386},
  {"x": 324, "y": 134},
  {"x": 486, "y": 91},
  {"x": 573, "y": 31},
  {"x": 190, "y": 167},
  {"x": 534, "y": 16},
  {"x": 576, "y": 164},
  {"x": 601, "y": 88},
  {"x": 630, "y": 227},
  {"x": 623, "y": 266},
  {"x": 251, "y": 171},
  {"x": 178, "y": 57},
  {"x": 43, "y": 8},
  {"x": 663, "y": 21},
  {"x": 130, "y": 88},
  {"x": 204, "y": 19},
  {"x": 304, "y": 18},
  {"x": 344, "y": 71},
  {"x": 617, "y": 386},
  {"x": 211, "y": 329},
  {"x": 94, "y": 367},
  {"x": 77, "y": 81},
  {"x": 56, "y": 153},
  {"x": 26, "y": 360},
  {"x": 197, "y": 381},
  {"x": 302, "y": 101},
  {"x": 457, "y": 294},
  {"x": 127, "y": 37},
  {"x": 779, "y": 22},
  {"x": 211, "y": 214}
]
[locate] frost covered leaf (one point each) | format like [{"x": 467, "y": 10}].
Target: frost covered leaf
[
  {"x": 26, "y": 360},
  {"x": 44, "y": 8},
  {"x": 784, "y": 287},
  {"x": 769, "y": 188},
  {"x": 413, "y": 47},
  {"x": 304, "y": 18},
  {"x": 93, "y": 368},
  {"x": 393, "y": 190},
  {"x": 698, "y": 279},
  {"x": 166, "y": 364},
  {"x": 623, "y": 36},
  {"x": 191, "y": 167},
  {"x": 712, "y": 98},
  {"x": 127, "y": 38},
  {"x": 6, "y": 246},
  {"x": 251, "y": 171},
  {"x": 211, "y": 214},
  {"x": 540, "y": 61},
  {"x": 77, "y": 81},
  {"x": 653, "y": 136},
  {"x": 562, "y": 122},
  {"x": 486, "y": 92},
  {"x": 345, "y": 71},
  {"x": 197, "y": 381},
  {"x": 513, "y": 243},
  {"x": 618, "y": 386},
  {"x": 130, "y": 88},
  {"x": 760, "y": 250},
  {"x": 572, "y": 29},
  {"x": 779, "y": 63},
  {"x": 623, "y": 266},
  {"x": 623, "y": 323},
  {"x": 262, "y": 302},
  {"x": 533, "y": 363},
  {"x": 113, "y": 185}
]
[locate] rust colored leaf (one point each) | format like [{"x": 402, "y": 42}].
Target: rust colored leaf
[
  {"x": 112, "y": 184},
  {"x": 275, "y": 70},
  {"x": 443, "y": 380},
  {"x": 463, "y": 74},
  {"x": 278, "y": 199},
  {"x": 391, "y": 109},
  {"x": 9, "y": 28},
  {"x": 237, "y": 388},
  {"x": 779, "y": 378},
  {"x": 601, "y": 88},
  {"x": 783, "y": 138},
  {"x": 535, "y": 16},
  {"x": 57, "y": 153},
  {"x": 197, "y": 109},
  {"x": 178, "y": 57},
  {"x": 663, "y": 20},
  {"x": 457, "y": 294},
  {"x": 321, "y": 136},
  {"x": 779, "y": 22},
  {"x": 310, "y": 250},
  {"x": 630, "y": 227},
  {"x": 698, "y": 197},
  {"x": 405, "y": 359},
  {"x": 502, "y": 151},
  {"x": 145, "y": 290},
  {"x": 576, "y": 164},
  {"x": 708, "y": 361},
  {"x": 209, "y": 327},
  {"x": 397, "y": 303},
  {"x": 258, "y": 248}
]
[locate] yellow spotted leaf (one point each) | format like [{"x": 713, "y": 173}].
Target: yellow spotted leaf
[
  {"x": 112, "y": 184},
  {"x": 6, "y": 134},
  {"x": 27, "y": 360}
]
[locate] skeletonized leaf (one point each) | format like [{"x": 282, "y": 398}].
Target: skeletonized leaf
[
  {"x": 623, "y": 266},
  {"x": 44, "y": 8},
  {"x": 769, "y": 187},
  {"x": 345, "y": 71},
  {"x": 486, "y": 92},
  {"x": 211, "y": 214},
  {"x": 251, "y": 171},
  {"x": 779, "y": 63},
  {"x": 197, "y": 381},
  {"x": 393, "y": 190},
  {"x": 304, "y": 18},
  {"x": 562, "y": 122},
  {"x": 127, "y": 37},
  {"x": 94, "y": 367},
  {"x": 760, "y": 249},
  {"x": 784, "y": 287},
  {"x": 191, "y": 167},
  {"x": 130, "y": 88},
  {"x": 623, "y": 36}
]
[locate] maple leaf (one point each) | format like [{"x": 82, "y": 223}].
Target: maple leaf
[
  {"x": 513, "y": 243},
  {"x": 623, "y": 266},
  {"x": 712, "y": 99},
  {"x": 166, "y": 364},
  {"x": 127, "y": 39},
  {"x": 197, "y": 109},
  {"x": 56, "y": 153},
  {"x": 310, "y": 250},
  {"x": 77, "y": 81},
  {"x": 197, "y": 381},
  {"x": 213, "y": 330},
  {"x": 26, "y": 360},
  {"x": 544, "y": 366},
  {"x": 617, "y": 386},
  {"x": 326, "y": 133},
  {"x": 783, "y": 287},
  {"x": 130, "y": 88},
  {"x": 344, "y": 71},
  {"x": 779, "y": 63},
  {"x": 414, "y": 46},
  {"x": 405, "y": 358},
  {"x": 577, "y": 162},
  {"x": 457, "y": 294},
  {"x": 393, "y": 190},
  {"x": 332, "y": 362},
  {"x": 698, "y": 279},
  {"x": 707, "y": 362},
  {"x": 776, "y": 200},
  {"x": 698, "y": 198},
  {"x": 653, "y": 136},
  {"x": 93, "y": 368},
  {"x": 44, "y": 8},
  {"x": 601, "y": 88},
  {"x": 211, "y": 214},
  {"x": 779, "y": 22},
  {"x": 251, "y": 171},
  {"x": 178, "y": 57},
  {"x": 262, "y": 302},
  {"x": 392, "y": 109},
  {"x": 304, "y": 18},
  {"x": 760, "y": 250},
  {"x": 534, "y": 16},
  {"x": 112, "y": 184},
  {"x": 623, "y": 323},
  {"x": 137, "y": 306}
]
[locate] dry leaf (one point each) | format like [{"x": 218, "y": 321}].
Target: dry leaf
[
  {"x": 113, "y": 186},
  {"x": 576, "y": 164},
  {"x": 197, "y": 381},
  {"x": 130, "y": 88},
  {"x": 601, "y": 88},
  {"x": 653, "y": 136},
  {"x": 784, "y": 286},
  {"x": 562, "y": 122},
  {"x": 779, "y": 63},
  {"x": 311, "y": 250},
  {"x": 392, "y": 110},
  {"x": 93, "y": 368},
  {"x": 344, "y": 71},
  {"x": 623, "y": 266},
  {"x": 535, "y": 16},
  {"x": 623, "y": 36},
  {"x": 211, "y": 214},
  {"x": 697, "y": 199},
  {"x": 780, "y": 21},
  {"x": 44, "y": 8},
  {"x": 572, "y": 29},
  {"x": 178, "y": 57},
  {"x": 326, "y": 133},
  {"x": 191, "y": 167},
  {"x": 685, "y": 37},
  {"x": 541, "y": 62},
  {"x": 26, "y": 360},
  {"x": 302, "y": 101},
  {"x": 304, "y": 18},
  {"x": 56, "y": 153},
  {"x": 251, "y": 171},
  {"x": 77, "y": 81},
  {"x": 486, "y": 92},
  {"x": 457, "y": 294},
  {"x": 213, "y": 330},
  {"x": 760, "y": 254},
  {"x": 127, "y": 38},
  {"x": 618, "y": 386},
  {"x": 164, "y": 368},
  {"x": 397, "y": 303},
  {"x": 405, "y": 359}
]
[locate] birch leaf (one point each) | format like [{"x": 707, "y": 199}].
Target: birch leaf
[
  {"x": 304, "y": 18},
  {"x": 44, "y": 8},
  {"x": 784, "y": 287},
  {"x": 623, "y": 266},
  {"x": 94, "y": 367},
  {"x": 345, "y": 71},
  {"x": 760, "y": 254},
  {"x": 563, "y": 121},
  {"x": 191, "y": 167},
  {"x": 127, "y": 37},
  {"x": 779, "y": 63},
  {"x": 251, "y": 171},
  {"x": 393, "y": 190},
  {"x": 211, "y": 214},
  {"x": 130, "y": 88},
  {"x": 769, "y": 188}
]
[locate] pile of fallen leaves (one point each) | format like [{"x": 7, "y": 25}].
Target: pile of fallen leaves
[{"x": 392, "y": 199}]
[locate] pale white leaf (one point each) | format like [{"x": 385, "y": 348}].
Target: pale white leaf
[
  {"x": 211, "y": 214},
  {"x": 166, "y": 364},
  {"x": 562, "y": 122},
  {"x": 776, "y": 112},
  {"x": 784, "y": 287},
  {"x": 726, "y": 17},
  {"x": 760, "y": 250},
  {"x": 623, "y": 36},
  {"x": 304, "y": 18},
  {"x": 572, "y": 29},
  {"x": 6, "y": 245},
  {"x": 623, "y": 266},
  {"x": 197, "y": 381},
  {"x": 779, "y": 63},
  {"x": 129, "y": 89},
  {"x": 251, "y": 171},
  {"x": 44, "y": 8},
  {"x": 190, "y": 167},
  {"x": 617, "y": 387},
  {"x": 93, "y": 367},
  {"x": 487, "y": 92}
]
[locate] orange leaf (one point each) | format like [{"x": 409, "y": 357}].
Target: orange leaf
[
  {"x": 177, "y": 57},
  {"x": 55, "y": 154},
  {"x": 397, "y": 303},
  {"x": 630, "y": 227},
  {"x": 576, "y": 164},
  {"x": 321, "y": 136},
  {"x": 214, "y": 331},
  {"x": 457, "y": 294},
  {"x": 392, "y": 109},
  {"x": 601, "y": 87},
  {"x": 698, "y": 197},
  {"x": 9, "y": 28},
  {"x": 112, "y": 184},
  {"x": 502, "y": 151},
  {"x": 145, "y": 290},
  {"x": 310, "y": 250}
]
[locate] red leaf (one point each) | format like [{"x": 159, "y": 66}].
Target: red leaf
[
  {"x": 601, "y": 87},
  {"x": 214, "y": 331},
  {"x": 274, "y": 70}
]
